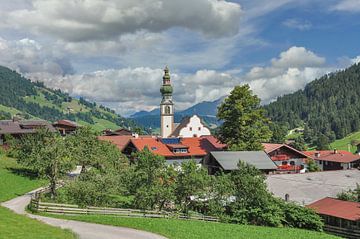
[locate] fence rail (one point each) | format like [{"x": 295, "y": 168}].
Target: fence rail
[
  {"x": 344, "y": 232},
  {"x": 70, "y": 209}
]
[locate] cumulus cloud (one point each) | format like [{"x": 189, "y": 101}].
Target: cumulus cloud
[
  {"x": 291, "y": 71},
  {"x": 28, "y": 56},
  {"x": 132, "y": 89},
  {"x": 347, "y": 5},
  {"x": 105, "y": 19},
  {"x": 294, "y": 23}
]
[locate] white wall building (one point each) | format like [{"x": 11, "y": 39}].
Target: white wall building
[{"x": 191, "y": 127}]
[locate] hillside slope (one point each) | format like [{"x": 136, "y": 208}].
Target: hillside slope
[
  {"x": 328, "y": 107},
  {"x": 33, "y": 100}
]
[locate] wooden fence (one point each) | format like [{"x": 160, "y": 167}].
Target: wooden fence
[
  {"x": 343, "y": 232},
  {"x": 70, "y": 209}
]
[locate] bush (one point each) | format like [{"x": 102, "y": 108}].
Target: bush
[{"x": 301, "y": 217}]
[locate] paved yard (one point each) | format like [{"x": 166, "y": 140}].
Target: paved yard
[{"x": 310, "y": 187}]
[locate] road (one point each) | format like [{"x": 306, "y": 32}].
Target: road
[{"x": 82, "y": 229}]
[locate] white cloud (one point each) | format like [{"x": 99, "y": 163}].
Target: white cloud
[
  {"x": 29, "y": 56},
  {"x": 105, "y": 19},
  {"x": 347, "y": 5},
  {"x": 291, "y": 71},
  {"x": 294, "y": 23}
]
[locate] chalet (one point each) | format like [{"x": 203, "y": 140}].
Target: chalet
[
  {"x": 65, "y": 127},
  {"x": 17, "y": 128},
  {"x": 121, "y": 132},
  {"x": 175, "y": 150},
  {"x": 340, "y": 217},
  {"x": 334, "y": 159},
  {"x": 119, "y": 140},
  {"x": 286, "y": 157},
  {"x": 227, "y": 161}
]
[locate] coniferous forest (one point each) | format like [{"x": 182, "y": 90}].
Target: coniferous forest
[{"x": 328, "y": 108}]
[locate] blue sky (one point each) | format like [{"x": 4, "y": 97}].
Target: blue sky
[{"x": 113, "y": 52}]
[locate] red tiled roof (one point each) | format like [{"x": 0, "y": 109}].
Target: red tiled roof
[
  {"x": 196, "y": 146},
  {"x": 214, "y": 141},
  {"x": 337, "y": 208},
  {"x": 342, "y": 156},
  {"x": 119, "y": 140},
  {"x": 269, "y": 147}
]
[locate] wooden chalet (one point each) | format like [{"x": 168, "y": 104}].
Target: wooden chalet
[
  {"x": 340, "y": 217},
  {"x": 65, "y": 127}
]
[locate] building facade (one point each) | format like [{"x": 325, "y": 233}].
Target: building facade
[{"x": 191, "y": 127}]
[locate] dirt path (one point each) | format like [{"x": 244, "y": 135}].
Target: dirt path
[{"x": 83, "y": 229}]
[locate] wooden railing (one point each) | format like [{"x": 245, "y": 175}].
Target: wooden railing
[
  {"x": 70, "y": 209},
  {"x": 343, "y": 232}
]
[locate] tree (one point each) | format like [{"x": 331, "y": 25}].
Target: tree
[
  {"x": 350, "y": 195},
  {"x": 221, "y": 191},
  {"x": 152, "y": 183},
  {"x": 253, "y": 203},
  {"x": 279, "y": 133},
  {"x": 47, "y": 154},
  {"x": 244, "y": 126},
  {"x": 312, "y": 165},
  {"x": 191, "y": 181}
]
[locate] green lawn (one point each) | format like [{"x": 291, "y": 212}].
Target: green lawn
[
  {"x": 182, "y": 229},
  {"x": 343, "y": 144},
  {"x": 21, "y": 227},
  {"x": 14, "y": 180}
]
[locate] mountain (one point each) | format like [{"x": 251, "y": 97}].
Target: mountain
[
  {"x": 206, "y": 109},
  {"x": 328, "y": 108},
  {"x": 19, "y": 95}
]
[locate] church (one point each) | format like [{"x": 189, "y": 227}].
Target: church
[{"x": 190, "y": 126}]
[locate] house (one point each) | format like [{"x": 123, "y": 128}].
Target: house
[
  {"x": 119, "y": 140},
  {"x": 65, "y": 127},
  {"x": 334, "y": 159},
  {"x": 227, "y": 161},
  {"x": 17, "y": 128},
  {"x": 120, "y": 131},
  {"x": 174, "y": 150},
  {"x": 286, "y": 157},
  {"x": 340, "y": 217},
  {"x": 191, "y": 127}
]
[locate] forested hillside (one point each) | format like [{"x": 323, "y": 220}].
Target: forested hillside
[
  {"x": 328, "y": 108},
  {"x": 33, "y": 100}
]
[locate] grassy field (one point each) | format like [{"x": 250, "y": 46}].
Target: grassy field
[
  {"x": 20, "y": 227},
  {"x": 343, "y": 144},
  {"x": 14, "y": 182},
  {"x": 181, "y": 229}
]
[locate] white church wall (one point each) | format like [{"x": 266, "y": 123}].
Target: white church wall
[{"x": 194, "y": 128}]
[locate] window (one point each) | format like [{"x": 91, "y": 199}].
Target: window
[
  {"x": 292, "y": 163},
  {"x": 153, "y": 148},
  {"x": 199, "y": 128},
  {"x": 190, "y": 128},
  {"x": 284, "y": 162},
  {"x": 167, "y": 109}
]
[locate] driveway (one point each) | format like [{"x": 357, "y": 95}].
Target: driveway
[{"x": 83, "y": 229}]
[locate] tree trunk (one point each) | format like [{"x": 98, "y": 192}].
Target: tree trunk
[{"x": 53, "y": 188}]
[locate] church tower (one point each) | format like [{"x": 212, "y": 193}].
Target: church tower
[{"x": 166, "y": 106}]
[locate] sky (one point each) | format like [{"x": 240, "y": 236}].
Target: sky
[{"x": 114, "y": 51}]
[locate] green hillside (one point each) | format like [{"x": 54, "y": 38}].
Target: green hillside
[
  {"x": 328, "y": 108},
  {"x": 33, "y": 100}
]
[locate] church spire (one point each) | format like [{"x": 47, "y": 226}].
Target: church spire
[{"x": 166, "y": 106}]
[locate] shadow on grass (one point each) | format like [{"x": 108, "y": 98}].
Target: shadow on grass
[{"x": 24, "y": 172}]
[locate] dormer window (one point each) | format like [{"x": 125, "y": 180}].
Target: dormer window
[{"x": 153, "y": 148}]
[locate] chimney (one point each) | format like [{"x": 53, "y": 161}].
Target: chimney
[
  {"x": 335, "y": 151},
  {"x": 317, "y": 154}
]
